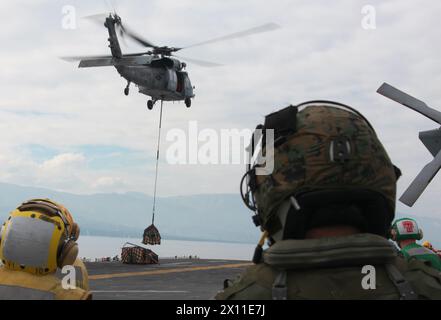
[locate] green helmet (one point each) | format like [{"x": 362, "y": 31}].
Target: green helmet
[
  {"x": 404, "y": 229},
  {"x": 324, "y": 152}
]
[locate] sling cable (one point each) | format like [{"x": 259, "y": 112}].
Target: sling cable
[{"x": 151, "y": 234}]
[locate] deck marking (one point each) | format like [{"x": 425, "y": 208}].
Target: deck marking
[
  {"x": 138, "y": 291},
  {"x": 175, "y": 264},
  {"x": 175, "y": 270}
]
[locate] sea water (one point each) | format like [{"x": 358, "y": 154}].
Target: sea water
[{"x": 93, "y": 247}]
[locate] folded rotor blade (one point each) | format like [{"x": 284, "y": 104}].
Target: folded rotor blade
[
  {"x": 417, "y": 187},
  {"x": 409, "y": 101},
  {"x": 260, "y": 29},
  {"x": 201, "y": 63},
  {"x": 432, "y": 140}
]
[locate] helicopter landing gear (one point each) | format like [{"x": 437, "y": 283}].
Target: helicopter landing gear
[
  {"x": 188, "y": 102},
  {"x": 150, "y": 104},
  {"x": 126, "y": 89}
]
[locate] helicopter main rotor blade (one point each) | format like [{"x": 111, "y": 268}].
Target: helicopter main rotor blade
[
  {"x": 199, "y": 62},
  {"x": 101, "y": 17},
  {"x": 110, "y": 5},
  {"x": 417, "y": 187},
  {"x": 260, "y": 29},
  {"x": 137, "y": 38},
  {"x": 409, "y": 101}
]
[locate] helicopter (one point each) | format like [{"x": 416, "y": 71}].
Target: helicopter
[{"x": 157, "y": 72}]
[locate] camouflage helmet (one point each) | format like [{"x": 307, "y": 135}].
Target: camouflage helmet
[{"x": 322, "y": 146}]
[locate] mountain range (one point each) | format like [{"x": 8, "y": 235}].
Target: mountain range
[
  {"x": 221, "y": 217},
  {"x": 210, "y": 217}
]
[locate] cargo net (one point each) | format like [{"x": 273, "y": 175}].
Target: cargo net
[
  {"x": 133, "y": 254},
  {"x": 151, "y": 236}
]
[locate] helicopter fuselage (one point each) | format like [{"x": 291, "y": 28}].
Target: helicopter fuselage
[
  {"x": 162, "y": 79},
  {"x": 157, "y": 73}
]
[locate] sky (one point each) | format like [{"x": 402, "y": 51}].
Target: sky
[{"x": 73, "y": 129}]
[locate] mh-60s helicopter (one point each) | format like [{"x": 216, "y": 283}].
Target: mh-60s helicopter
[{"x": 156, "y": 72}]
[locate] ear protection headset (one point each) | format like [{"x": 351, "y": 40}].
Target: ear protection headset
[{"x": 68, "y": 248}]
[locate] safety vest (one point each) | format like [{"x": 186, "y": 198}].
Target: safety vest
[
  {"x": 415, "y": 251},
  {"x": 19, "y": 285}
]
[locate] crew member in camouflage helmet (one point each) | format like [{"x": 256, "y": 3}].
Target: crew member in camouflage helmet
[
  {"x": 326, "y": 211},
  {"x": 406, "y": 232}
]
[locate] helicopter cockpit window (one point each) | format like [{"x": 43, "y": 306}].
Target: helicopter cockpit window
[{"x": 180, "y": 84}]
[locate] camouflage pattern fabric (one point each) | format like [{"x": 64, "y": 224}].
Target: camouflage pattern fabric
[
  {"x": 335, "y": 281},
  {"x": 342, "y": 283},
  {"x": 302, "y": 163}
]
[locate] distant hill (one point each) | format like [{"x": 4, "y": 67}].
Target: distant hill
[
  {"x": 220, "y": 217},
  {"x": 199, "y": 217}
]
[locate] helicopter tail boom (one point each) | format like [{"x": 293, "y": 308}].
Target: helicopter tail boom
[{"x": 110, "y": 24}]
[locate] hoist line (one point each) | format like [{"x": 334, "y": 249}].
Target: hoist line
[{"x": 157, "y": 163}]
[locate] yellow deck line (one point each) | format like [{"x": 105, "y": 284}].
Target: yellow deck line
[{"x": 165, "y": 271}]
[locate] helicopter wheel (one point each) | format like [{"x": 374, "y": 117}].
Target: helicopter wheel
[
  {"x": 150, "y": 104},
  {"x": 126, "y": 91},
  {"x": 188, "y": 102}
]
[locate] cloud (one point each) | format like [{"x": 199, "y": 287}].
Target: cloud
[
  {"x": 321, "y": 52},
  {"x": 62, "y": 162}
]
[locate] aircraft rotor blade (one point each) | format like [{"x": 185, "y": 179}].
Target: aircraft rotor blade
[
  {"x": 122, "y": 36},
  {"x": 110, "y": 5},
  {"x": 137, "y": 38},
  {"x": 260, "y": 29},
  {"x": 417, "y": 187},
  {"x": 198, "y": 62},
  {"x": 432, "y": 140},
  {"x": 409, "y": 101}
]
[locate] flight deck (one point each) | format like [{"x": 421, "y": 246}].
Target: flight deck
[{"x": 171, "y": 279}]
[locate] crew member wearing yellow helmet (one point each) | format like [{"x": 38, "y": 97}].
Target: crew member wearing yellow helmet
[
  {"x": 38, "y": 238},
  {"x": 428, "y": 245}
]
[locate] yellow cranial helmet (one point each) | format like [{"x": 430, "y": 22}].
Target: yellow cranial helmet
[
  {"x": 39, "y": 237},
  {"x": 427, "y": 244}
]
